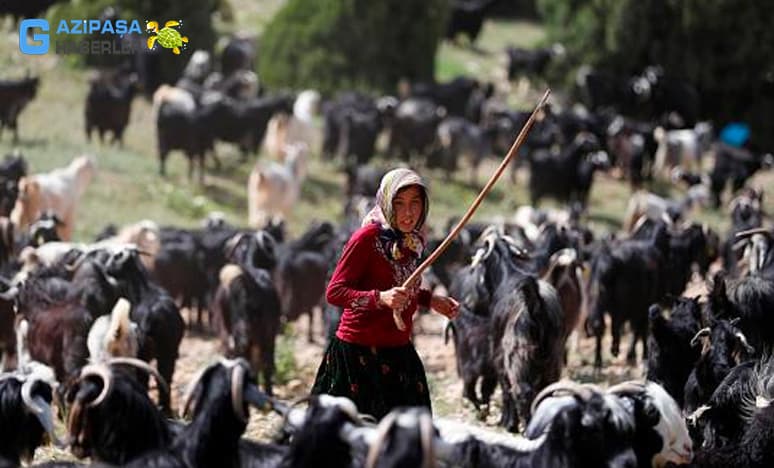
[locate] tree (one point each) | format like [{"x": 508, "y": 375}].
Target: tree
[
  {"x": 725, "y": 48},
  {"x": 356, "y": 44}
]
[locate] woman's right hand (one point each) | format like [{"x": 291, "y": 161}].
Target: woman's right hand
[{"x": 394, "y": 298}]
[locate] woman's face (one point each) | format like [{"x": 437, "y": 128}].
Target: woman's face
[{"x": 408, "y": 206}]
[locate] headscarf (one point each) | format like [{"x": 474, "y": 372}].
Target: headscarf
[{"x": 395, "y": 242}]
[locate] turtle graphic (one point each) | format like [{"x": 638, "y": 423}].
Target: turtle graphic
[{"x": 168, "y": 38}]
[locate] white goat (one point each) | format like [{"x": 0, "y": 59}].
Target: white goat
[
  {"x": 683, "y": 147},
  {"x": 113, "y": 336},
  {"x": 654, "y": 207},
  {"x": 284, "y": 130},
  {"x": 57, "y": 191},
  {"x": 272, "y": 190}
]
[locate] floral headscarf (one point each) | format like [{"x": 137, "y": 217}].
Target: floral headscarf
[{"x": 396, "y": 243}]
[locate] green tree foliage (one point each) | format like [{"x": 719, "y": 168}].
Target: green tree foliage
[
  {"x": 195, "y": 15},
  {"x": 362, "y": 44},
  {"x": 723, "y": 47}
]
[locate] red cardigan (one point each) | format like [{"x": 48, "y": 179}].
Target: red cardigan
[{"x": 364, "y": 270}]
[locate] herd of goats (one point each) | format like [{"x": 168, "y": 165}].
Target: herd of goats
[{"x": 81, "y": 323}]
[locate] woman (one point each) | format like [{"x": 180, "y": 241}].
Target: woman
[{"x": 371, "y": 360}]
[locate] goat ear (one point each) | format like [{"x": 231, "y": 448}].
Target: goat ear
[{"x": 719, "y": 286}]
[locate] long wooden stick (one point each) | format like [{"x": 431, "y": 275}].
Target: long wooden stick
[{"x": 492, "y": 180}]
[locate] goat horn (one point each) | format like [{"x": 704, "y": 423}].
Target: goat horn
[
  {"x": 161, "y": 383},
  {"x": 10, "y": 293},
  {"x": 638, "y": 224},
  {"x": 26, "y": 394},
  {"x": 381, "y": 436},
  {"x": 569, "y": 387},
  {"x": 237, "y": 392},
  {"x": 233, "y": 243},
  {"x": 103, "y": 372},
  {"x": 263, "y": 401},
  {"x": 701, "y": 333},
  {"x": 188, "y": 399},
  {"x": 693, "y": 418},
  {"x": 631, "y": 387},
  {"x": 40, "y": 408},
  {"x": 426, "y": 436},
  {"x": 745, "y": 344},
  {"x": 71, "y": 267},
  {"x": 752, "y": 232}
]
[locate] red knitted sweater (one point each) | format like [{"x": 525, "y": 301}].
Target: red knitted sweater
[{"x": 364, "y": 270}]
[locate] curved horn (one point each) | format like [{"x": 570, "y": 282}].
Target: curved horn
[
  {"x": 743, "y": 339},
  {"x": 71, "y": 267},
  {"x": 752, "y": 232},
  {"x": 9, "y": 294},
  {"x": 103, "y": 372},
  {"x": 188, "y": 399},
  {"x": 381, "y": 436},
  {"x": 426, "y": 437},
  {"x": 563, "y": 387},
  {"x": 233, "y": 243},
  {"x": 700, "y": 334},
  {"x": 484, "y": 252},
  {"x": 40, "y": 408},
  {"x": 631, "y": 387},
  {"x": 237, "y": 392},
  {"x": 26, "y": 394},
  {"x": 161, "y": 384}
]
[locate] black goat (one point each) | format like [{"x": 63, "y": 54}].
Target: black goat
[
  {"x": 301, "y": 274},
  {"x": 471, "y": 331},
  {"x": 566, "y": 176},
  {"x": 752, "y": 442},
  {"x": 723, "y": 348},
  {"x": 108, "y": 105},
  {"x": 670, "y": 354},
  {"x": 14, "y": 96},
  {"x": 625, "y": 279},
  {"x": 111, "y": 418},
  {"x": 576, "y": 427},
  {"x": 526, "y": 316},
  {"x": 25, "y": 416},
  {"x": 736, "y": 165},
  {"x": 246, "y": 308},
  {"x": 179, "y": 267},
  {"x": 159, "y": 321},
  {"x": 467, "y": 18},
  {"x": 413, "y": 129},
  {"x": 750, "y": 300},
  {"x": 218, "y": 402}
]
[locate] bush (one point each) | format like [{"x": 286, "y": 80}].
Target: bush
[
  {"x": 725, "y": 48},
  {"x": 355, "y": 44}
]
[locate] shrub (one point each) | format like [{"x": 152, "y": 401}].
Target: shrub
[{"x": 361, "y": 44}]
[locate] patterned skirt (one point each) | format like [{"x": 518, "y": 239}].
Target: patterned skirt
[{"x": 376, "y": 379}]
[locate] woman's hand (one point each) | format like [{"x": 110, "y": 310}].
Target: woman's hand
[
  {"x": 395, "y": 298},
  {"x": 445, "y": 306}
]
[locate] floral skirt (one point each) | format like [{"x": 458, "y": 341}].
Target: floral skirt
[{"x": 376, "y": 379}]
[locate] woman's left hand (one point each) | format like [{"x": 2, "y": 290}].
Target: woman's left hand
[{"x": 445, "y": 306}]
